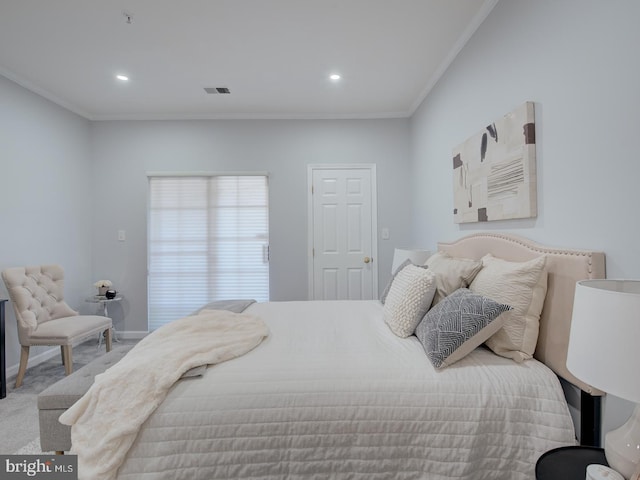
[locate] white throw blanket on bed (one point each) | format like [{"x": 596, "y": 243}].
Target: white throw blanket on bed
[{"x": 106, "y": 420}]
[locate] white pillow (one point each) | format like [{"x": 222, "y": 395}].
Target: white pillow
[
  {"x": 452, "y": 273},
  {"x": 409, "y": 299},
  {"x": 523, "y": 286}
]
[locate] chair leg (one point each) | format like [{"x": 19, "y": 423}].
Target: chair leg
[
  {"x": 107, "y": 338},
  {"x": 68, "y": 361},
  {"x": 24, "y": 358}
]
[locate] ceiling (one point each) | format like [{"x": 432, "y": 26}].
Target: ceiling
[{"x": 275, "y": 56}]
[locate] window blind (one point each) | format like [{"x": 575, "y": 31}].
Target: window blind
[{"x": 208, "y": 239}]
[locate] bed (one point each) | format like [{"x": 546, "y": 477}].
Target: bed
[{"x": 332, "y": 392}]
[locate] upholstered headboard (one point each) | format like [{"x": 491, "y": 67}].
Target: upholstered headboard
[{"x": 564, "y": 266}]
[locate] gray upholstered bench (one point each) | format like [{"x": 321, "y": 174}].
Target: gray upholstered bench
[{"x": 54, "y": 436}]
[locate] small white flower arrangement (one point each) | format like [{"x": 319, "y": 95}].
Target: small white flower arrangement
[{"x": 103, "y": 286}]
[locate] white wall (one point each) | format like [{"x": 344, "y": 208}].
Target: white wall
[
  {"x": 69, "y": 185},
  {"x": 123, "y": 153},
  {"x": 579, "y": 62},
  {"x": 45, "y": 196}
]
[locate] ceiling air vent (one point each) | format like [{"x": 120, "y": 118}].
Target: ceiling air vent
[{"x": 214, "y": 90}]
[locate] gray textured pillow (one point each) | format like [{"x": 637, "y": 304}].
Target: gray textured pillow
[
  {"x": 383, "y": 297},
  {"x": 457, "y": 325}
]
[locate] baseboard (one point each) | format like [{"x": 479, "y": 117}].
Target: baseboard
[
  {"x": 34, "y": 360},
  {"x": 12, "y": 371},
  {"x": 132, "y": 335}
]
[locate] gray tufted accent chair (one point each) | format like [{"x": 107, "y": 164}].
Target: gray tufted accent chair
[{"x": 44, "y": 318}]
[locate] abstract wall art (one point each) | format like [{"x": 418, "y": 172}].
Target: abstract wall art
[{"x": 494, "y": 171}]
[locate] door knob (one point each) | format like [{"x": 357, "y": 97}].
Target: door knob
[{"x": 367, "y": 259}]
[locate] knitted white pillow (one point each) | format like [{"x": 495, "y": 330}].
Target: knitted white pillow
[{"x": 409, "y": 298}]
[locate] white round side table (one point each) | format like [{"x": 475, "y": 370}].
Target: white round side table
[{"x": 103, "y": 302}]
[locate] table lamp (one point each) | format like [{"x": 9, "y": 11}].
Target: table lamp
[
  {"x": 603, "y": 352},
  {"x": 417, "y": 257}
]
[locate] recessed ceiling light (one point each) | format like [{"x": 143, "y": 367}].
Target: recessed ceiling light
[
  {"x": 123, "y": 78},
  {"x": 334, "y": 76}
]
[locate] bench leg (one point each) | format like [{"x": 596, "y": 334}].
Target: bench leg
[
  {"x": 68, "y": 361},
  {"x": 108, "y": 338},
  {"x": 24, "y": 358}
]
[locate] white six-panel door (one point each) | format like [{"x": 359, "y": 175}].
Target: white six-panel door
[{"x": 342, "y": 233}]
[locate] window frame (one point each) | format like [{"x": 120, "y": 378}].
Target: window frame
[{"x": 153, "y": 324}]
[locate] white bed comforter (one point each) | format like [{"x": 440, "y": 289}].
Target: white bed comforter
[
  {"x": 105, "y": 421},
  {"x": 332, "y": 393}
]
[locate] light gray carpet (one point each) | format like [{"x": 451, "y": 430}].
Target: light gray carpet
[{"x": 19, "y": 410}]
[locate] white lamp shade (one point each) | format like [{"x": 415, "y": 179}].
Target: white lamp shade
[
  {"x": 605, "y": 331},
  {"x": 417, "y": 257}
]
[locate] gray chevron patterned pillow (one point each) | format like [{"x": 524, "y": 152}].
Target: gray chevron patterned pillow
[{"x": 457, "y": 325}]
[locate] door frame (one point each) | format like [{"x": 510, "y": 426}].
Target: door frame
[{"x": 374, "y": 218}]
